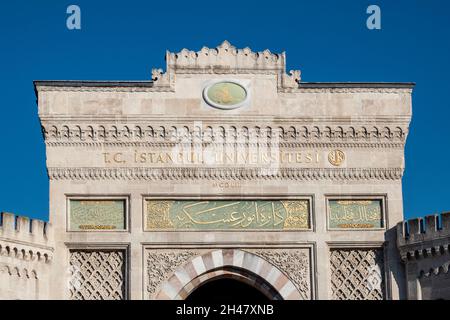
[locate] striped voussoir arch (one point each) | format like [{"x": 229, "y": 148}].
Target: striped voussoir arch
[{"x": 233, "y": 263}]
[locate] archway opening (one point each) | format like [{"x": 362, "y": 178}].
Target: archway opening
[{"x": 226, "y": 290}]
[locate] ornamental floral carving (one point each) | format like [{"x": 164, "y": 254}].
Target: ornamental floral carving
[
  {"x": 224, "y": 174},
  {"x": 186, "y": 134},
  {"x": 294, "y": 263},
  {"x": 162, "y": 263}
]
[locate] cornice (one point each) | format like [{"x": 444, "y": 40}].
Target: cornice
[
  {"x": 383, "y": 85},
  {"x": 25, "y": 251},
  {"x": 424, "y": 249},
  {"x": 87, "y": 88},
  {"x": 198, "y": 133},
  {"x": 439, "y": 270},
  {"x": 229, "y": 119},
  {"x": 69, "y": 87},
  {"x": 351, "y": 89},
  {"x": 223, "y": 173},
  {"x": 282, "y": 145},
  {"x": 149, "y": 83}
]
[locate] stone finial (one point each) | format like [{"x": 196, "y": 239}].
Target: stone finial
[
  {"x": 292, "y": 79},
  {"x": 161, "y": 79},
  {"x": 157, "y": 74}
]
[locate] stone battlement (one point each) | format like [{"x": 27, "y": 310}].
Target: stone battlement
[
  {"x": 421, "y": 236},
  {"x": 23, "y": 230},
  {"x": 25, "y": 257},
  {"x": 422, "y": 229}
]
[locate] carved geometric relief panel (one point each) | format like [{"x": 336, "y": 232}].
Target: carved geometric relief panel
[
  {"x": 357, "y": 274},
  {"x": 97, "y": 214},
  {"x": 227, "y": 215},
  {"x": 355, "y": 213},
  {"x": 97, "y": 275}
]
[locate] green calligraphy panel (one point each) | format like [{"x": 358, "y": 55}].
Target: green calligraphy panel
[
  {"x": 355, "y": 214},
  {"x": 88, "y": 215},
  {"x": 227, "y": 215}
]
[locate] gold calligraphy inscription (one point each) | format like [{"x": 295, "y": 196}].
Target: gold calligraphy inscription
[
  {"x": 227, "y": 215},
  {"x": 355, "y": 214},
  {"x": 96, "y": 227},
  {"x": 87, "y": 215}
]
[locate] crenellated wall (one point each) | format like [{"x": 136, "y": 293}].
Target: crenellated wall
[
  {"x": 25, "y": 257},
  {"x": 424, "y": 246}
]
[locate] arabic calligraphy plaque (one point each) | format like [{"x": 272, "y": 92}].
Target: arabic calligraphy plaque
[
  {"x": 86, "y": 215},
  {"x": 227, "y": 215},
  {"x": 355, "y": 214}
]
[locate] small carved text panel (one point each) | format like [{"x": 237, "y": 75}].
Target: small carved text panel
[
  {"x": 355, "y": 214},
  {"x": 90, "y": 214},
  {"x": 227, "y": 215}
]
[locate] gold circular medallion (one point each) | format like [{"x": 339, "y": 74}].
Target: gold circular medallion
[
  {"x": 336, "y": 157},
  {"x": 225, "y": 95}
]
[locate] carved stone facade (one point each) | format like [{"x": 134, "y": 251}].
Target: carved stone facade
[{"x": 231, "y": 127}]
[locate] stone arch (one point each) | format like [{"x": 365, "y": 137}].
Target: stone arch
[
  {"x": 235, "y": 273},
  {"x": 238, "y": 264}
]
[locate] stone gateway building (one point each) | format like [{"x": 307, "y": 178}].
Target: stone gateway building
[{"x": 224, "y": 171}]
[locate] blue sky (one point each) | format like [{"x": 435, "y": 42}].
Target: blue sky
[{"x": 122, "y": 40}]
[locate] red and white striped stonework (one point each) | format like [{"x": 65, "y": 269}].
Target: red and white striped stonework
[{"x": 232, "y": 263}]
